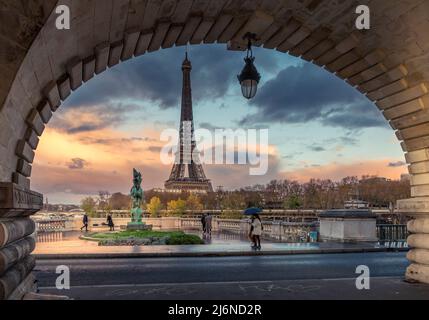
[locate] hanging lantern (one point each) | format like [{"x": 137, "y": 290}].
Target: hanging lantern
[{"x": 249, "y": 77}]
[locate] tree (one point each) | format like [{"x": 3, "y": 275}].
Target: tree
[
  {"x": 154, "y": 207},
  {"x": 176, "y": 207},
  {"x": 103, "y": 201},
  {"x": 293, "y": 202},
  {"x": 88, "y": 205},
  {"x": 119, "y": 201},
  {"x": 194, "y": 203},
  {"x": 233, "y": 200}
]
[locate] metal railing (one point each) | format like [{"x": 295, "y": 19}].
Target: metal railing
[{"x": 392, "y": 232}]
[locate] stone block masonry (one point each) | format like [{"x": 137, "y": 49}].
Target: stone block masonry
[{"x": 16, "y": 240}]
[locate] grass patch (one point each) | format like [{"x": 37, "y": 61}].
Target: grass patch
[
  {"x": 184, "y": 238},
  {"x": 172, "y": 237}
]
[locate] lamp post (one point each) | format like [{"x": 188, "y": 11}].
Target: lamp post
[{"x": 249, "y": 77}]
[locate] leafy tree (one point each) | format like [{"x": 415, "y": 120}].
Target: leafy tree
[
  {"x": 88, "y": 205},
  {"x": 154, "y": 207},
  {"x": 233, "y": 200},
  {"x": 176, "y": 207},
  {"x": 232, "y": 214},
  {"x": 314, "y": 194},
  {"x": 193, "y": 203},
  {"x": 293, "y": 202}
]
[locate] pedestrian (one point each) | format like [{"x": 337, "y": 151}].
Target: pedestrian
[
  {"x": 85, "y": 222},
  {"x": 203, "y": 222},
  {"x": 209, "y": 224},
  {"x": 110, "y": 223},
  {"x": 256, "y": 231}
]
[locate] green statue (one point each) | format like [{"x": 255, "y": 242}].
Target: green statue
[{"x": 137, "y": 197}]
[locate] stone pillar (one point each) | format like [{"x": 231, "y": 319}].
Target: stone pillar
[
  {"x": 12, "y": 230},
  {"x": 244, "y": 226},
  {"x": 16, "y": 240},
  {"x": 15, "y": 252},
  {"x": 15, "y": 276},
  {"x": 418, "y": 210},
  {"x": 276, "y": 230},
  {"x": 215, "y": 224}
]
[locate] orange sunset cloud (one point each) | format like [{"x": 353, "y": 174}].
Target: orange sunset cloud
[{"x": 337, "y": 171}]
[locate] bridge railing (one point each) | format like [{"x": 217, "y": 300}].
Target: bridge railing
[
  {"x": 50, "y": 225},
  {"x": 54, "y": 225},
  {"x": 52, "y": 236},
  {"x": 392, "y": 232},
  {"x": 279, "y": 230},
  {"x": 190, "y": 223},
  {"x": 227, "y": 224},
  {"x": 297, "y": 232}
]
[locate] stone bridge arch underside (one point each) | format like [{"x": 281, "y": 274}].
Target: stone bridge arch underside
[{"x": 41, "y": 65}]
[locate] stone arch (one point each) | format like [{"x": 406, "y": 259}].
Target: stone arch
[{"x": 388, "y": 63}]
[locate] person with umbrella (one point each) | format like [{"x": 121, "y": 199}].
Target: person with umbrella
[{"x": 255, "y": 227}]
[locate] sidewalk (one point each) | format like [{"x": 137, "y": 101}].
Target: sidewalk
[{"x": 220, "y": 245}]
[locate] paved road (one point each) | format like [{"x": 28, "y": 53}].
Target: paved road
[
  {"x": 329, "y": 276},
  {"x": 217, "y": 269}
]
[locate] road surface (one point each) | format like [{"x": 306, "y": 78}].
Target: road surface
[{"x": 330, "y": 276}]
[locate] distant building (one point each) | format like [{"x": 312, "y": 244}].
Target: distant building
[{"x": 179, "y": 189}]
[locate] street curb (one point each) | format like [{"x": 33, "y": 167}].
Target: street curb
[{"x": 210, "y": 254}]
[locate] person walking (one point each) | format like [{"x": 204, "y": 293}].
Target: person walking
[
  {"x": 203, "y": 222},
  {"x": 256, "y": 231},
  {"x": 85, "y": 223},
  {"x": 209, "y": 224},
  {"x": 110, "y": 223}
]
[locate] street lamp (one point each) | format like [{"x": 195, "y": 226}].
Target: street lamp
[{"x": 249, "y": 77}]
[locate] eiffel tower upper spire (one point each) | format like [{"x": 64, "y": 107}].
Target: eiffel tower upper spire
[
  {"x": 187, "y": 113},
  {"x": 187, "y": 173}
]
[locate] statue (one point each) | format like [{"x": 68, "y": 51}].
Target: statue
[
  {"x": 137, "y": 198},
  {"x": 136, "y": 194}
]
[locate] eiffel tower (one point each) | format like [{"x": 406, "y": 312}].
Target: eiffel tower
[{"x": 187, "y": 173}]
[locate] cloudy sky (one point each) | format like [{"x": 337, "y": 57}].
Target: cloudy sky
[{"x": 319, "y": 127}]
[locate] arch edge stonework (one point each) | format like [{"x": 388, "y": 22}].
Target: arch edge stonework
[{"x": 391, "y": 81}]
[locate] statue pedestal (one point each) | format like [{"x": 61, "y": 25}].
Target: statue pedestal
[
  {"x": 136, "y": 223},
  {"x": 138, "y": 226}
]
